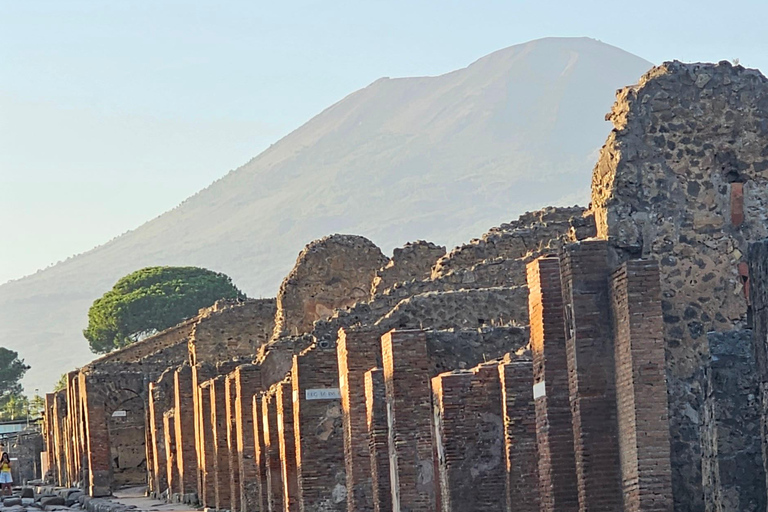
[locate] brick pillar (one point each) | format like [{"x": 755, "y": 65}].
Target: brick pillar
[
  {"x": 97, "y": 435},
  {"x": 59, "y": 416},
  {"x": 259, "y": 451},
  {"x": 554, "y": 430},
  {"x": 407, "y": 382},
  {"x": 156, "y": 439},
  {"x": 357, "y": 351},
  {"x": 376, "y": 421},
  {"x": 247, "y": 382},
  {"x": 287, "y": 442},
  {"x": 591, "y": 374},
  {"x": 469, "y": 437},
  {"x": 520, "y": 449},
  {"x": 273, "y": 471},
  {"x": 74, "y": 422},
  {"x": 185, "y": 430},
  {"x": 207, "y": 449},
  {"x": 200, "y": 374},
  {"x": 219, "y": 421},
  {"x": 49, "y": 435},
  {"x": 318, "y": 430},
  {"x": 169, "y": 429},
  {"x": 758, "y": 301},
  {"x": 641, "y": 387},
  {"x": 733, "y": 473},
  {"x": 233, "y": 463}
]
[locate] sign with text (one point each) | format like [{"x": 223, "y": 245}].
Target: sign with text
[
  {"x": 119, "y": 414},
  {"x": 323, "y": 394}
]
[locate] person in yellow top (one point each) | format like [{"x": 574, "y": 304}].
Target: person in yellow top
[{"x": 5, "y": 474}]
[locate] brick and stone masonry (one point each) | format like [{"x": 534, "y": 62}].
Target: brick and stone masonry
[
  {"x": 200, "y": 374},
  {"x": 407, "y": 382},
  {"x": 378, "y": 435},
  {"x": 206, "y": 447},
  {"x": 233, "y": 463},
  {"x": 641, "y": 388},
  {"x": 186, "y": 457},
  {"x": 96, "y": 424},
  {"x": 219, "y": 421},
  {"x": 273, "y": 493},
  {"x": 732, "y": 458},
  {"x": 318, "y": 430},
  {"x": 591, "y": 381},
  {"x": 287, "y": 442},
  {"x": 758, "y": 300},
  {"x": 469, "y": 439},
  {"x": 160, "y": 399},
  {"x": 247, "y": 382},
  {"x": 357, "y": 350},
  {"x": 520, "y": 449},
  {"x": 172, "y": 469},
  {"x": 554, "y": 431},
  {"x": 259, "y": 452}
]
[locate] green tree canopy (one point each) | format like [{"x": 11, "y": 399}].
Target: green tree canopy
[
  {"x": 150, "y": 300},
  {"x": 12, "y": 369}
]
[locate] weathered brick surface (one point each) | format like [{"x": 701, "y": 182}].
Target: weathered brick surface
[
  {"x": 407, "y": 381},
  {"x": 233, "y": 463},
  {"x": 259, "y": 452},
  {"x": 318, "y": 430},
  {"x": 219, "y": 421},
  {"x": 172, "y": 469},
  {"x": 160, "y": 400},
  {"x": 59, "y": 415},
  {"x": 378, "y": 437},
  {"x": 247, "y": 382},
  {"x": 287, "y": 441},
  {"x": 206, "y": 448},
  {"x": 357, "y": 350},
  {"x": 732, "y": 462},
  {"x": 273, "y": 494},
  {"x": 520, "y": 449},
  {"x": 641, "y": 389},
  {"x": 469, "y": 437},
  {"x": 591, "y": 380},
  {"x": 184, "y": 411},
  {"x": 200, "y": 374},
  {"x": 554, "y": 430}
]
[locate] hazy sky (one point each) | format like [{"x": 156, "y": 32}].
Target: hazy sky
[{"x": 112, "y": 112}]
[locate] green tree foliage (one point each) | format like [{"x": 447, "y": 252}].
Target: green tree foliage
[
  {"x": 61, "y": 383},
  {"x": 150, "y": 300},
  {"x": 12, "y": 369}
]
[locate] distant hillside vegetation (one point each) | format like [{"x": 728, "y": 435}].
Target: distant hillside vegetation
[{"x": 438, "y": 158}]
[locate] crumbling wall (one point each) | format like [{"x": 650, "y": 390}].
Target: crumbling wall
[
  {"x": 231, "y": 329},
  {"x": 682, "y": 179},
  {"x": 330, "y": 273},
  {"x": 412, "y": 261}
]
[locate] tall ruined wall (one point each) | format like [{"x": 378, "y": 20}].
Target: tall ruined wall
[
  {"x": 682, "y": 179},
  {"x": 231, "y": 329},
  {"x": 412, "y": 261},
  {"x": 330, "y": 273}
]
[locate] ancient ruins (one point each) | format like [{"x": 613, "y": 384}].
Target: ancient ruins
[{"x": 578, "y": 359}]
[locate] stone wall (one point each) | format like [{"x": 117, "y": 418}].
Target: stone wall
[
  {"x": 412, "y": 261},
  {"x": 330, "y": 273},
  {"x": 682, "y": 179}
]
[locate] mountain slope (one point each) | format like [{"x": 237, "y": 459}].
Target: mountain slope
[{"x": 440, "y": 158}]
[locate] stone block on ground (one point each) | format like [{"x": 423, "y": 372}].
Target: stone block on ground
[
  {"x": 10, "y": 502},
  {"x": 27, "y": 492},
  {"x": 50, "y": 500}
]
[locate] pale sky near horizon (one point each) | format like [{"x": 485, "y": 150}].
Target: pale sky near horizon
[{"x": 112, "y": 112}]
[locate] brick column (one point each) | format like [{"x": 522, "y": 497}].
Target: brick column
[
  {"x": 520, "y": 449},
  {"x": 273, "y": 470},
  {"x": 407, "y": 382},
  {"x": 207, "y": 449},
  {"x": 97, "y": 435},
  {"x": 641, "y": 387},
  {"x": 169, "y": 429},
  {"x": 591, "y": 374},
  {"x": 247, "y": 381},
  {"x": 469, "y": 437},
  {"x": 233, "y": 463},
  {"x": 185, "y": 429},
  {"x": 357, "y": 351},
  {"x": 259, "y": 451},
  {"x": 318, "y": 430},
  {"x": 156, "y": 439},
  {"x": 49, "y": 434},
  {"x": 287, "y": 442},
  {"x": 59, "y": 416},
  {"x": 378, "y": 434},
  {"x": 554, "y": 429},
  {"x": 200, "y": 374},
  {"x": 219, "y": 421}
]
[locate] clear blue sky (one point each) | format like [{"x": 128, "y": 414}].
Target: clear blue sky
[{"x": 112, "y": 111}]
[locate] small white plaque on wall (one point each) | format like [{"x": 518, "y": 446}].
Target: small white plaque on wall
[
  {"x": 323, "y": 394},
  {"x": 119, "y": 414},
  {"x": 539, "y": 390}
]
